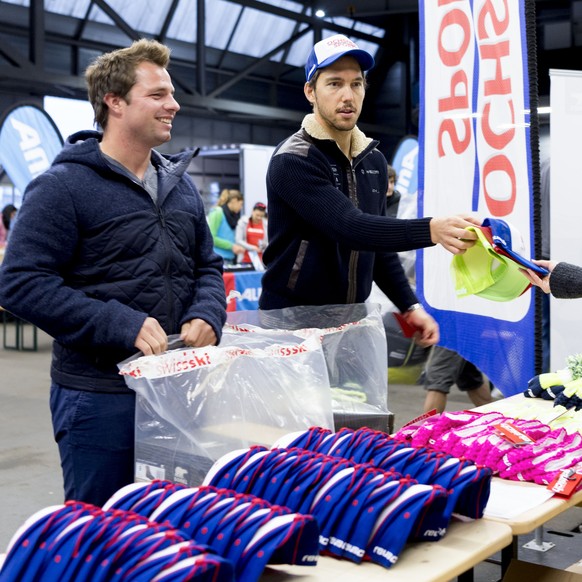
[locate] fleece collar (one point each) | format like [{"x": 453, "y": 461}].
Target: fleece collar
[{"x": 359, "y": 140}]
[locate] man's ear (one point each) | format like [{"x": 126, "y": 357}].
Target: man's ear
[
  {"x": 112, "y": 101},
  {"x": 308, "y": 91}
]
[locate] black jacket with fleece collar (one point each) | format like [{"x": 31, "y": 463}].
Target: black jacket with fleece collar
[
  {"x": 91, "y": 256},
  {"x": 329, "y": 237}
]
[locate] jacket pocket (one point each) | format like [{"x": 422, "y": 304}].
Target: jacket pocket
[{"x": 296, "y": 269}]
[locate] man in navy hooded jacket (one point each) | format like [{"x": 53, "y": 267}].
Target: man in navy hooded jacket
[{"x": 110, "y": 255}]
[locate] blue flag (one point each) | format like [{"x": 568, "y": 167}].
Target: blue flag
[{"x": 29, "y": 142}]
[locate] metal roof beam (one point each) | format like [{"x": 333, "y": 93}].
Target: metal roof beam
[
  {"x": 46, "y": 84},
  {"x": 168, "y": 20},
  {"x": 119, "y": 22},
  {"x": 36, "y": 37},
  {"x": 13, "y": 56},
  {"x": 313, "y": 21},
  {"x": 201, "y": 47},
  {"x": 244, "y": 73}
]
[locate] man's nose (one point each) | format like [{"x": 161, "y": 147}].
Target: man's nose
[
  {"x": 172, "y": 104},
  {"x": 347, "y": 94}
]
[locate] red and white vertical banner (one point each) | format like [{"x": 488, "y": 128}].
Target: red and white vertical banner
[{"x": 475, "y": 158}]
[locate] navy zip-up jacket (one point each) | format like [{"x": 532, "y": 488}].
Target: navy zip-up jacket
[
  {"x": 329, "y": 238},
  {"x": 91, "y": 256}
]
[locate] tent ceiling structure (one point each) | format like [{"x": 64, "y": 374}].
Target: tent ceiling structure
[{"x": 249, "y": 65}]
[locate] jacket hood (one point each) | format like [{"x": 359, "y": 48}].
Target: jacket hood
[
  {"x": 82, "y": 147},
  {"x": 359, "y": 140}
]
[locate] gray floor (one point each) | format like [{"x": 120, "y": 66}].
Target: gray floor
[{"x": 30, "y": 476}]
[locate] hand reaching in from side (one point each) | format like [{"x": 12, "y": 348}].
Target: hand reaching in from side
[{"x": 534, "y": 278}]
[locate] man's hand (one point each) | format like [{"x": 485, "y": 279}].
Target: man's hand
[
  {"x": 542, "y": 282},
  {"x": 196, "y": 333},
  {"x": 151, "y": 339},
  {"x": 428, "y": 329},
  {"x": 451, "y": 234}
]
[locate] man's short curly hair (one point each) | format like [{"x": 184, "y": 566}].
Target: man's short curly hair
[{"x": 114, "y": 72}]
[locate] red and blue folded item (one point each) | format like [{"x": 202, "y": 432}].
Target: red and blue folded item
[
  {"x": 360, "y": 523},
  {"x": 222, "y": 472},
  {"x": 127, "y": 497},
  {"x": 343, "y": 496},
  {"x": 190, "y": 568},
  {"x": 507, "y": 241},
  {"x": 125, "y": 552},
  {"x": 156, "y": 496},
  {"x": 78, "y": 541},
  {"x": 470, "y": 489},
  {"x": 247, "y": 530},
  {"x": 424, "y": 464},
  {"x": 176, "y": 562},
  {"x": 346, "y": 507},
  {"x": 27, "y": 553},
  {"x": 283, "y": 540},
  {"x": 398, "y": 520},
  {"x": 329, "y": 496}
]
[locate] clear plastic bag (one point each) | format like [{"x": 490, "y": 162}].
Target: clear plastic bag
[
  {"x": 354, "y": 346},
  {"x": 195, "y": 405}
]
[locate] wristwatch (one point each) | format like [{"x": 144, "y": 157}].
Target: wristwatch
[{"x": 414, "y": 307}]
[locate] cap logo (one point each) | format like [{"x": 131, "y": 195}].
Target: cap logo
[
  {"x": 327, "y": 51},
  {"x": 330, "y": 46},
  {"x": 342, "y": 42}
]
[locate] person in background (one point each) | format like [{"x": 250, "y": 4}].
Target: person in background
[
  {"x": 222, "y": 220},
  {"x": 223, "y": 197},
  {"x": 109, "y": 255},
  {"x": 329, "y": 238},
  {"x": 8, "y": 216},
  {"x": 251, "y": 232},
  {"x": 392, "y": 195},
  {"x": 563, "y": 282},
  {"x": 443, "y": 369}
]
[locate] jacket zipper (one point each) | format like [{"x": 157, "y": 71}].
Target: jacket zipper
[
  {"x": 171, "y": 323},
  {"x": 354, "y": 255}
]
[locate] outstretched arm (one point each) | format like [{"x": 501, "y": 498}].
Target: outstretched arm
[{"x": 450, "y": 232}]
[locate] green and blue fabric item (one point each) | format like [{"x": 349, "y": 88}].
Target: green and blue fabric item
[
  {"x": 488, "y": 270},
  {"x": 546, "y": 386},
  {"x": 571, "y": 396}
]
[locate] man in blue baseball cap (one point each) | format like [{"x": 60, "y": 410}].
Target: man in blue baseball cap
[{"x": 329, "y": 238}]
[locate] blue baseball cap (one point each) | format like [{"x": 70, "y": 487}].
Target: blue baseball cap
[
  {"x": 509, "y": 241},
  {"x": 330, "y": 49}
]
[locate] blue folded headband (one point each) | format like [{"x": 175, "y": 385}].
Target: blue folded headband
[
  {"x": 79, "y": 541},
  {"x": 279, "y": 533},
  {"x": 357, "y": 534},
  {"x": 149, "y": 502},
  {"x": 394, "y": 525},
  {"x": 346, "y": 519},
  {"x": 222, "y": 471},
  {"x": 126, "y": 497},
  {"x": 471, "y": 488}
]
